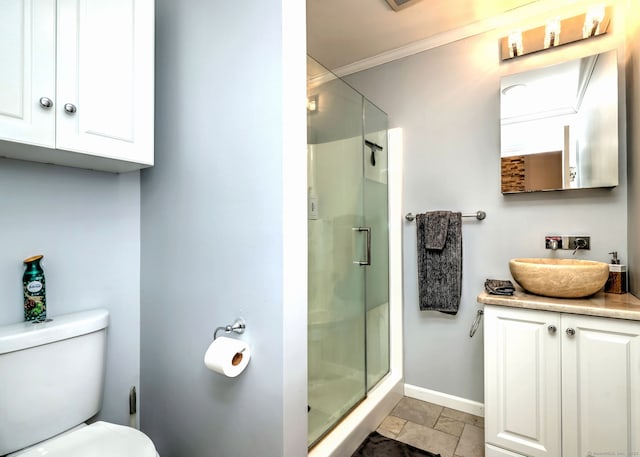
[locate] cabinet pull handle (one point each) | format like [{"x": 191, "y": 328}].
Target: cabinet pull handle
[
  {"x": 70, "y": 108},
  {"x": 46, "y": 102},
  {"x": 552, "y": 329},
  {"x": 571, "y": 331}
]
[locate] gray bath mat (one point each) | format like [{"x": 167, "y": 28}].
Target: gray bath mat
[{"x": 376, "y": 445}]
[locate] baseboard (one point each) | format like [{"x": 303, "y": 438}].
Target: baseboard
[{"x": 446, "y": 400}]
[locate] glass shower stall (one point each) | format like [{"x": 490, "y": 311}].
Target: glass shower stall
[{"x": 348, "y": 303}]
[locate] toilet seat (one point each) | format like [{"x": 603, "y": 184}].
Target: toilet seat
[{"x": 100, "y": 439}]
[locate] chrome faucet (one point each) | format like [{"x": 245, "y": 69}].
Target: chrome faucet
[
  {"x": 555, "y": 242},
  {"x": 580, "y": 243}
]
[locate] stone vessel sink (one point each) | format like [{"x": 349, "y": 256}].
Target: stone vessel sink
[{"x": 561, "y": 278}]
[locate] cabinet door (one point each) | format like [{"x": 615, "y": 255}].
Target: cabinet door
[
  {"x": 492, "y": 451},
  {"x": 601, "y": 382},
  {"x": 27, "y": 54},
  {"x": 105, "y": 78},
  {"x": 522, "y": 381}
]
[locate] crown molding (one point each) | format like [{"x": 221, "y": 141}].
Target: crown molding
[{"x": 504, "y": 20}]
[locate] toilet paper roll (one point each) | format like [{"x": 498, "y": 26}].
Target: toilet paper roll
[{"x": 227, "y": 356}]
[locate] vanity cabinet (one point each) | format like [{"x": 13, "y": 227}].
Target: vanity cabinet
[
  {"x": 560, "y": 384},
  {"x": 78, "y": 82}
]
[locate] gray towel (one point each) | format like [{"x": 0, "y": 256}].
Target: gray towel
[
  {"x": 499, "y": 287},
  {"x": 439, "y": 236}
]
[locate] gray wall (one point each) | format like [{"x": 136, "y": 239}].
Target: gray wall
[
  {"x": 447, "y": 102},
  {"x": 212, "y": 231},
  {"x": 87, "y": 225}
]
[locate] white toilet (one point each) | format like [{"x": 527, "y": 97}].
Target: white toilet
[{"x": 51, "y": 378}]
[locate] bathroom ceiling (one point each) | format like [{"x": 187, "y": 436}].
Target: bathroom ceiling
[{"x": 341, "y": 32}]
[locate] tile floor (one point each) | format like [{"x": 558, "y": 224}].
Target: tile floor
[{"x": 436, "y": 429}]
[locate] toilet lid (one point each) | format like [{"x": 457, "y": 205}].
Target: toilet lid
[{"x": 100, "y": 439}]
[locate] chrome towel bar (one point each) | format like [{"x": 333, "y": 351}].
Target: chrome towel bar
[{"x": 480, "y": 215}]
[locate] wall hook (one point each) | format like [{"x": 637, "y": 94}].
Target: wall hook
[{"x": 476, "y": 323}]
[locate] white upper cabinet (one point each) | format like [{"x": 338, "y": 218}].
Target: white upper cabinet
[
  {"x": 78, "y": 80},
  {"x": 28, "y": 74}
]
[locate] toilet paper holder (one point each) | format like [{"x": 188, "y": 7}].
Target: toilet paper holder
[{"x": 237, "y": 327}]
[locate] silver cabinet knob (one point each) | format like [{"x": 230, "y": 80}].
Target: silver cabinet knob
[
  {"x": 46, "y": 102},
  {"x": 70, "y": 108},
  {"x": 571, "y": 331},
  {"x": 552, "y": 329}
]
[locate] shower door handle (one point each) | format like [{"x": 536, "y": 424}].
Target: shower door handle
[{"x": 367, "y": 260}]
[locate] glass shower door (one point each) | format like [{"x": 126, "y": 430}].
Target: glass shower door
[
  {"x": 337, "y": 246},
  {"x": 376, "y": 210},
  {"x": 348, "y": 326}
]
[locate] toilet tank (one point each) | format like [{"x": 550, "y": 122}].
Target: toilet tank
[{"x": 51, "y": 376}]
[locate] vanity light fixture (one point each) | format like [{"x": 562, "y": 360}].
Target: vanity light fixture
[
  {"x": 312, "y": 103},
  {"x": 552, "y": 33},
  {"x": 594, "y": 22},
  {"x": 515, "y": 44}
]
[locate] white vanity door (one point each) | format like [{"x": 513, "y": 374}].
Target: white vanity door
[
  {"x": 492, "y": 451},
  {"x": 27, "y": 78},
  {"x": 601, "y": 385},
  {"x": 522, "y": 381}
]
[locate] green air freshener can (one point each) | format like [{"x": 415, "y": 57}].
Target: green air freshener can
[{"x": 35, "y": 304}]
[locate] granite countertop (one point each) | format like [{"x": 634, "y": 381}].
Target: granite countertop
[{"x": 619, "y": 306}]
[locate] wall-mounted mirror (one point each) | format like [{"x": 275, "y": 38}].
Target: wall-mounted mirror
[{"x": 559, "y": 126}]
